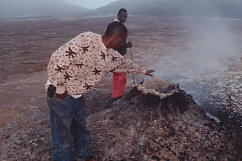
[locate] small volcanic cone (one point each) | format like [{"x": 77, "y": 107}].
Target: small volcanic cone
[{"x": 157, "y": 121}]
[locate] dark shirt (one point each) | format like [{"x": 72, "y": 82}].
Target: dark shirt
[{"x": 123, "y": 50}]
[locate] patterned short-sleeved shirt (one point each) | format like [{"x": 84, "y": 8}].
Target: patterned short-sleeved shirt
[{"x": 82, "y": 62}]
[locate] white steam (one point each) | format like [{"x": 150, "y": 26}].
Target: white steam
[{"x": 211, "y": 46}]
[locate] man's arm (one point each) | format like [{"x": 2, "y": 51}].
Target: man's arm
[
  {"x": 57, "y": 70},
  {"x": 127, "y": 65}
]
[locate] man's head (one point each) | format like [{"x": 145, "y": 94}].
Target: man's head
[
  {"x": 122, "y": 15},
  {"x": 115, "y": 35}
]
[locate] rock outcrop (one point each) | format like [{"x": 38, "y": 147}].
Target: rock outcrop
[{"x": 146, "y": 127}]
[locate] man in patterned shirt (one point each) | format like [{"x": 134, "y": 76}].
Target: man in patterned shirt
[{"x": 73, "y": 70}]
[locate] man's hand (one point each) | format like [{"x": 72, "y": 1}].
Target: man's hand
[
  {"x": 129, "y": 45},
  {"x": 148, "y": 72}
]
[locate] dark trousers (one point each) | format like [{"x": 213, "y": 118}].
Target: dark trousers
[{"x": 69, "y": 132}]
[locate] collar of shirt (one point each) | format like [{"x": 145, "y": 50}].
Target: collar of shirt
[
  {"x": 103, "y": 47},
  {"x": 101, "y": 43}
]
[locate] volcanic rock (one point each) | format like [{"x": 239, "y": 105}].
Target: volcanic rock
[{"x": 145, "y": 127}]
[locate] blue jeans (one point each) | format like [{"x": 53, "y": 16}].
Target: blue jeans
[{"x": 68, "y": 128}]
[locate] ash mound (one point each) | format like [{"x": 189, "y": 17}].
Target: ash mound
[{"x": 158, "y": 121}]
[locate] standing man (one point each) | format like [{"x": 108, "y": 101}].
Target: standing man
[
  {"x": 73, "y": 70},
  {"x": 120, "y": 79}
]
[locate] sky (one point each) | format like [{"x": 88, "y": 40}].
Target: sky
[{"x": 90, "y": 4}]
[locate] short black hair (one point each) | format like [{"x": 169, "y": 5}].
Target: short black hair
[
  {"x": 115, "y": 28},
  {"x": 121, "y": 10}
]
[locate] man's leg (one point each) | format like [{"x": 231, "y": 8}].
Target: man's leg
[
  {"x": 80, "y": 130},
  {"x": 115, "y": 84},
  {"x": 61, "y": 116},
  {"x": 120, "y": 85}
]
